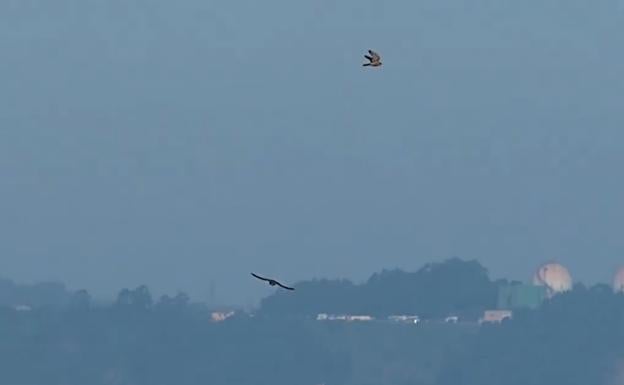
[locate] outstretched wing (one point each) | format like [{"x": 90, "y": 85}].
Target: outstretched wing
[
  {"x": 375, "y": 55},
  {"x": 368, "y": 57},
  {"x": 285, "y": 287},
  {"x": 259, "y": 277}
]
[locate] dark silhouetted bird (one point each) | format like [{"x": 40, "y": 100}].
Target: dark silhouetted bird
[
  {"x": 272, "y": 282},
  {"x": 374, "y": 59}
]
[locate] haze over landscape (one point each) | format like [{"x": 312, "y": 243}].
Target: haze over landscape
[
  {"x": 154, "y": 153},
  {"x": 182, "y": 143}
]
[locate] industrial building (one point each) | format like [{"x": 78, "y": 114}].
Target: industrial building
[
  {"x": 517, "y": 296},
  {"x": 554, "y": 277},
  {"x": 549, "y": 280}
]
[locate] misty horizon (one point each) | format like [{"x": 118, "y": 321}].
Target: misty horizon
[
  {"x": 212, "y": 300},
  {"x": 180, "y": 144},
  {"x": 154, "y": 153}
]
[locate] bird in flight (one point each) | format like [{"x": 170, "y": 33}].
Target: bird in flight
[
  {"x": 272, "y": 282},
  {"x": 373, "y": 58}
]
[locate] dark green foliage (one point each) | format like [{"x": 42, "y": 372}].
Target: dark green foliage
[
  {"x": 40, "y": 294},
  {"x": 437, "y": 290},
  {"x": 313, "y": 297},
  {"x": 575, "y": 338},
  {"x": 170, "y": 342}
]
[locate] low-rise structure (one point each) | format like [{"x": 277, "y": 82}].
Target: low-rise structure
[
  {"x": 518, "y": 296},
  {"x": 343, "y": 317},
  {"x": 413, "y": 319},
  {"x": 495, "y": 316},
  {"x": 220, "y": 316}
]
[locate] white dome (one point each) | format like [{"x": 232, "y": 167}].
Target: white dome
[
  {"x": 618, "y": 280},
  {"x": 554, "y": 276}
]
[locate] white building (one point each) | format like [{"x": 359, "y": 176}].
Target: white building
[
  {"x": 220, "y": 316},
  {"x": 413, "y": 319},
  {"x": 343, "y": 317},
  {"x": 495, "y": 316}
]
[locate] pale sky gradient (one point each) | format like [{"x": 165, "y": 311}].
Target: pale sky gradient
[{"x": 173, "y": 143}]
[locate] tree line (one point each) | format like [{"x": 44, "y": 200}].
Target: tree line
[
  {"x": 437, "y": 290},
  {"x": 575, "y": 338}
]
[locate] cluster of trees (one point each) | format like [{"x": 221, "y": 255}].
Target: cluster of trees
[
  {"x": 576, "y": 338},
  {"x": 36, "y": 295},
  {"x": 137, "y": 340},
  {"x": 436, "y": 290}
]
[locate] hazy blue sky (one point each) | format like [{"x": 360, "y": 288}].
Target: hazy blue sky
[{"x": 177, "y": 142}]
